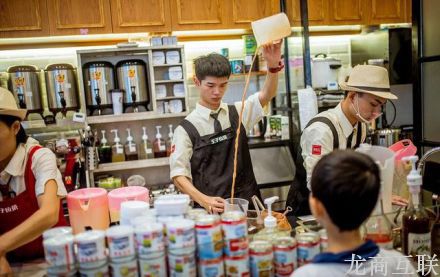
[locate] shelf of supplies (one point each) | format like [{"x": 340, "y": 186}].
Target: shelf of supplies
[
  {"x": 38, "y": 126},
  {"x": 170, "y": 98},
  {"x": 127, "y": 165},
  {"x": 168, "y": 81},
  {"x": 132, "y": 117},
  {"x": 166, "y": 64}
]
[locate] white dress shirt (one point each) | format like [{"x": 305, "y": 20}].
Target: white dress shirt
[
  {"x": 44, "y": 167},
  {"x": 317, "y": 139},
  {"x": 204, "y": 123}
]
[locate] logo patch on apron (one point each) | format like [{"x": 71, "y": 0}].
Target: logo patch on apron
[{"x": 316, "y": 149}]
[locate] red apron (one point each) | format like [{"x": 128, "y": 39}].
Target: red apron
[{"x": 15, "y": 210}]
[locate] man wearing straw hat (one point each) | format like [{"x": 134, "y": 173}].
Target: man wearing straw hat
[
  {"x": 202, "y": 158},
  {"x": 343, "y": 127}
]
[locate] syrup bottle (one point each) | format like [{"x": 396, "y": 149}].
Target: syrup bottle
[
  {"x": 169, "y": 140},
  {"x": 416, "y": 227},
  {"x": 104, "y": 150},
  {"x": 146, "y": 149},
  {"x": 131, "y": 150},
  {"x": 159, "y": 147},
  {"x": 117, "y": 149}
]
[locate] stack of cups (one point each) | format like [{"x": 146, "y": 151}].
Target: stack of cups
[
  {"x": 150, "y": 246},
  {"x": 181, "y": 247},
  {"x": 236, "y": 243},
  {"x": 91, "y": 254},
  {"x": 58, "y": 250},
  {"x": 122, "y": 253},
  {"x": 132, "y": 209},
  {"x": 209, "y": 245}
]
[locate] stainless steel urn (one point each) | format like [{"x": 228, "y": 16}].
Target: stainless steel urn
[
  {"x": 24, "y": 82},
  {"x": 98, "y": 81},
  {"x": 132, "y": 77},
  {"x": 61, "y": 88}
]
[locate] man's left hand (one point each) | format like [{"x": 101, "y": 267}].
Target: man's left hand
[{"x": 272, "y": 53}]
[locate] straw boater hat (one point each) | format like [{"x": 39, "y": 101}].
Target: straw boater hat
[
  {"x": 8, "y": 106},
  {"x": 370, "y": 79}
]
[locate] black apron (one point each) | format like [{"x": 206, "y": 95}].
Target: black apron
[
  {"x": 298, "y": 197},
  {"x": 212, "y": 162}
]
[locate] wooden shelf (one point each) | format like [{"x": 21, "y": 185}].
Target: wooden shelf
[
  {"x": 132, "y": 117},
  {"x": 168, "y": 81},
  {"x": 127, "y": 165},
  {"x": 167, "y": 64},
  {"x": 170, "y": 98},
  {"x": 38, "y": 126}
]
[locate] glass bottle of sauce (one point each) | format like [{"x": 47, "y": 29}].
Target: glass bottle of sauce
[
  {"x": 104, "y": 150},
  {"x": 146, "y": 149},
  {"x": 416, "y": 227},
  {"x": 131, "y": 150},
  {"x": 117, "y": 149},
  {"x": 159, "y": 147}
]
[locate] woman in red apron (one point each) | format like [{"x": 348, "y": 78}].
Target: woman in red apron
[{"x": 30, "y": 187}]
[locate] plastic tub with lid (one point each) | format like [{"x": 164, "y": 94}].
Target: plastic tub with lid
[
  {"x": 88, "y": 208},
  {"x": 131, "y": 193}
]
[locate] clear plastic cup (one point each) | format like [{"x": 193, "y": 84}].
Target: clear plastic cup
[{"x": 236, "y": 204}]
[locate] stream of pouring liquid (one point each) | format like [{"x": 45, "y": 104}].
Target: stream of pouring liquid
[{"x": 234, "y": 175}]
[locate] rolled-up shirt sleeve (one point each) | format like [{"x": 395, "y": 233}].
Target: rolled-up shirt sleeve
[
  {"x": 181, "y": 153},
  {"x": 316, "y": 141},
  {"x": 253, "y": 111},
  {"x": 44, "y": 167}
]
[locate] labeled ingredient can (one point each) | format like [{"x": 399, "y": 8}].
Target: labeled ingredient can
[
  {"x": 91, "y": 249},
  {"x": 308, "y": 247},
  {"x": 153, "y": 265},
  {"x": 234, "y": 228},
  {"x": 124, "y": 269},
  {"x": 182, "y": 265},
  {"x": 211, "y": 268},
  {"x": 285, "y": 256},
  {"x": 149, "y": 239},
  {"x": 261, "y": 258},
  {"x": 209, "y": 237},
  {"x": 120, "y": 243},
  {"x": 237, "y": 266}
]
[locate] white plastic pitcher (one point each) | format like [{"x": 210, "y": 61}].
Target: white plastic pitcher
[
  {"x": 272, "y": 28},
  {"x": 385, "y": 158}
]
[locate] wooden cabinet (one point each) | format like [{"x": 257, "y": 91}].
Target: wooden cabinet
[
  {"x": 243, "y": 12},
  {"x": 75, "y": 17},
  {"x": 391, "y": 11},
  {"x": 23, "y": 18},
  {"x": 347, "y": 12},
  {"x": 140, "y": 16},
  {"x": 408, "y": 17},
  {"x": 198, "y": 14},
  {"x": 317, "y": 12}
]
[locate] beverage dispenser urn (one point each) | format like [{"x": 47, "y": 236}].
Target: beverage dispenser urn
[
  {"x": 24, "y": 83},
  {"x": 98, "y": 81},
  {"x": 61, "y": 88},
  {"x": 132, "y": 77}
]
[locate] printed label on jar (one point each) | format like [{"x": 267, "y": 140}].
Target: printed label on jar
[
  {"x": 153, "y": 267},
  {"x": 419, "y": 244},
  {"x": 211, "y": 268},
  {"x": 90, "y": 252},
  {"x": 180, "y": 238},
  {"x": 149, "y": 243},
  {"x": 237, "y": 266},
  {"x": 182, "y": 265},
  {"x": 209, "y": 241},
  {"x": 59, "y": 254},
  {"x": 285, "y": 261},
  {"x": 306, "y": 252},
  {"x": 261, "y": 263},
  {"x": 121, "y": 247},
  {"x": 127, "y": 269}
]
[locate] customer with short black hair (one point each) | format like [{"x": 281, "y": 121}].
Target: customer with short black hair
[{"x": 345, "y": 188}]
